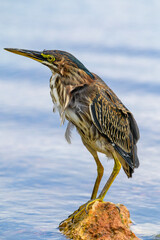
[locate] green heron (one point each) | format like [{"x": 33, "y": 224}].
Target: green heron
[{"x": 103, "y": 122}]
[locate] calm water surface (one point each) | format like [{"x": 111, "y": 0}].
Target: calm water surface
[{"x": 42, "y": 178}]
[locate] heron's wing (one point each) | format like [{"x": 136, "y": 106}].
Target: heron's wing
[{"x": 114, "y": 121}]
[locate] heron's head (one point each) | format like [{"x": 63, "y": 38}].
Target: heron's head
[{"x": 60, "y": 62}]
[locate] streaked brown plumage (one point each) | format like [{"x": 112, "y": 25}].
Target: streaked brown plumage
[{"x": 103, "y": 122}]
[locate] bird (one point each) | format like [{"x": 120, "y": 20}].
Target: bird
[{"x": 103, "y": 122}]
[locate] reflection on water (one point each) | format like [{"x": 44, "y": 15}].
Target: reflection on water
[{"x": 43, "y": 179}]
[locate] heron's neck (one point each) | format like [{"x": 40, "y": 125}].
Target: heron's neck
[
  {"x": 62, "y": 85},
  {"x": 59, "y": 92}
]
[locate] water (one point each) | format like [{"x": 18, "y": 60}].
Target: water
[{"x": 42, "y": 178}]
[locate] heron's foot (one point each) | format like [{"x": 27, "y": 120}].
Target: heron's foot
[
  {"x": 83, "y": 209},
  {"x": 90, "y": 202},
  {"x": 71, "y": 217}
]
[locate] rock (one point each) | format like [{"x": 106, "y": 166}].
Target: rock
[{"x": 104, "y": 221}]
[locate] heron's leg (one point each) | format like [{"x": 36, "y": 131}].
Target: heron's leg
[
  {"x": 116, "y": 169},
  {"x": 100, "y": 171}
]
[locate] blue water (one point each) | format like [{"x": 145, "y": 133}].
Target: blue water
[{"x": 42, "y": 178}]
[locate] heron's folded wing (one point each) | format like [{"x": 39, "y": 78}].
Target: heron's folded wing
[{"x": 112, "y": 119}]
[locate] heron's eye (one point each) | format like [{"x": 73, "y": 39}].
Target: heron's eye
[{"x": 50, "y": 58}]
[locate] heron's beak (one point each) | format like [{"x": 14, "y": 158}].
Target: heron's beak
[{"x": 27, "y": 53}]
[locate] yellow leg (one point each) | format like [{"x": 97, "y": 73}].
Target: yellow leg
[
  {"x": 116, "y": 169},
  {"x": 100, "y": 171}
]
